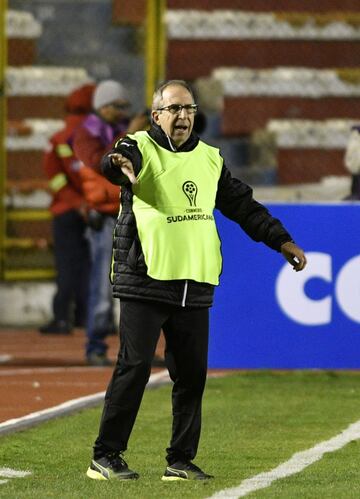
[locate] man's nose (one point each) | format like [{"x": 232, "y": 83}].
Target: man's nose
[{"x": 183, "y": 113}]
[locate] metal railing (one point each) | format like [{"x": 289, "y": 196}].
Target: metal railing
[
  {"x": 3, "y": 113},
  {"x": 155, "y": 46}
]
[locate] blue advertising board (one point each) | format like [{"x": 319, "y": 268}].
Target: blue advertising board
[{"x": 266, "y": 315}]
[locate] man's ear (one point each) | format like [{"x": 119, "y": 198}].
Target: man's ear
[{"x": 155, "y": 116}]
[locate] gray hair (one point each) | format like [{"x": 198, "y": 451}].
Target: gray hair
[{"x": 158, "y": 94}]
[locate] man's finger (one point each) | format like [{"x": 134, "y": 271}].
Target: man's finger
[
  {"x": 299, "y": 262},
  {"x": 129, "y": 172},
  {"x": 116, "y": 158}
]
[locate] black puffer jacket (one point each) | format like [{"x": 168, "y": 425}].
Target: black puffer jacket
[{"x": 234, "y": 199}]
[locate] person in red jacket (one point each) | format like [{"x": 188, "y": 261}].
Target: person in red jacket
[
  {"x": 109, "y": 121},
  {"x": 67, "y": 206}
]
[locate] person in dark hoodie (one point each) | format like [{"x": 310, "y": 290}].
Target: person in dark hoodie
[
  {"x": 166, "y": 263},
  {"x": 67, "y": 207}
]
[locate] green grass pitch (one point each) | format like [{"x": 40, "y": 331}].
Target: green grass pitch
[{"x": 252, "y": 422}]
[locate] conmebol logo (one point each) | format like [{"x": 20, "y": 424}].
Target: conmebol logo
[{"x": 299, "y": 307}]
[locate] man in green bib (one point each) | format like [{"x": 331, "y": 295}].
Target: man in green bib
[{"x": 166, "y": 262}]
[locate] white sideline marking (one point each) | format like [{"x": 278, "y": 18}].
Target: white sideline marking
[
  {"x": 10, "y": 473},
  {"x": 67, "y": 407},
  {"x": 295, "y": 464}
]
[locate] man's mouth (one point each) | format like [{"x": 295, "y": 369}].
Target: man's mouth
[{"x": 180, "y": 128}]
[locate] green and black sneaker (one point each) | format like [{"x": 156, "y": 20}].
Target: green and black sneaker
[
  {"x": 184, "y": 471},
  {"x": 111, "y": 466}
]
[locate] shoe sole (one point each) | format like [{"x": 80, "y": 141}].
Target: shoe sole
[
  {"x": 95, "y": 475},
  {"x": 173, "y": 479}
]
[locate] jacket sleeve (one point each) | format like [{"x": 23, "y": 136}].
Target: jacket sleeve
[
  {"x": 128, "y": 148},
  {"x": 51, "y": 162},
  {"x": 89, "y": 149},
  {"x": 53, "y": 168},
  {"x": 235, "y": 200}
]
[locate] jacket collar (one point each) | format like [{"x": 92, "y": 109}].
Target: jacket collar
[{"x": 157, "y": 134}]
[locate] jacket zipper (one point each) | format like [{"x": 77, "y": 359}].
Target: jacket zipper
[
  {"x": 184, "y": 294},
  {"x": 186, "y": 283},
  {"x": 170, "y": 143}
]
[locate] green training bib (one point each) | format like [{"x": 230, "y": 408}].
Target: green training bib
[{"x": 173, "y": 205}]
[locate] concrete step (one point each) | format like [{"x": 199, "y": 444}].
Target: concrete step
[
  {"x": 133, "y": 12},
  {"x": 256, "y": 54}
]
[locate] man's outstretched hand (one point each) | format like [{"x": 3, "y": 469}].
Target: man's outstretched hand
[
  {"x": 294, "y": 255},
  {"x": 125, "y": 166}
]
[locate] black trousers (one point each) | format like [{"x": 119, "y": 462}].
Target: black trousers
[
  {"x": 186, "y": 334},
  {"x": 72, "y": 260}
]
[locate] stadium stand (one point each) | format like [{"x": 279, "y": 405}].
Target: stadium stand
[
  {"x": 35, "y": 103},
  {"x": 279, "y": 81},
  {"x": 309, "y": 150},
  {"x": 22, "y": 32},
  {"x": 253, "y": 97},
  {"x": 256, "y": 61},
  {"x": 259, "y": 40},
  {"x": 266, "y": 5},
  {"x": 274, "y": 64},
  {"x": 133, "y": 11}
]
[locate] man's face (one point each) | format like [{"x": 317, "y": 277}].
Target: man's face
[
  {"x": 115, "y": 112},
  {"x": 177, "y": 126}
]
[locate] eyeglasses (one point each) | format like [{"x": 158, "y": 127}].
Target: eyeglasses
[{"x": 177, "y": 108}]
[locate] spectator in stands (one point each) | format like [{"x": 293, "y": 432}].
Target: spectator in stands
[
  {"x": 166, "y": 263},
  {"x": 109, "y": 121},
  {"x": 67, "y": 206},
  {"x": 352, "y": 162}
]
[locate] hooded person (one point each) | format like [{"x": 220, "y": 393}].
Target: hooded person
[{"x": 70, "y": 245}]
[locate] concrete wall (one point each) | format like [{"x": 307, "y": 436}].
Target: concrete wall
[{"x": 25, "y": 304}]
